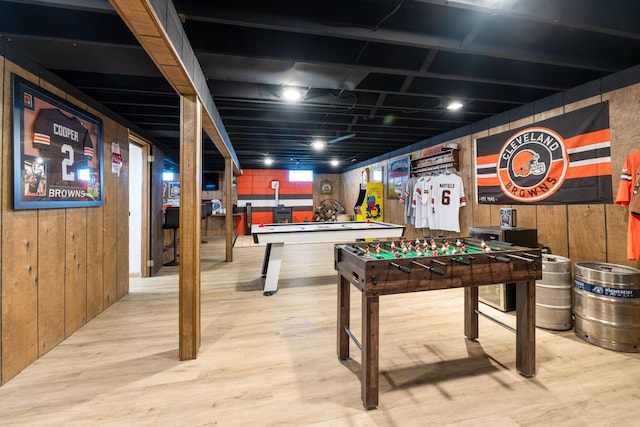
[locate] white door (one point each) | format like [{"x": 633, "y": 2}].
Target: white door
[{"x": 135, "y": 210}]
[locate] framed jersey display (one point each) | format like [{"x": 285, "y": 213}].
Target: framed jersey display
[{"x": 57, "y": 151}]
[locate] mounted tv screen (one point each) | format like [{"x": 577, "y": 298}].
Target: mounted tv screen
[{"x": 210, "y": 181}]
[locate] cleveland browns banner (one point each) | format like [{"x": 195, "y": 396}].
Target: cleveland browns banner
[{"x": 566, "y": 159}]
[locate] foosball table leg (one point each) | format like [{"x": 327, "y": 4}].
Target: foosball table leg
[
  {"x": 344, "y": 317},
  {"x": 471, "y": 312},
  {"x": 526, "y": 328},
  {"x": 370, "y": 350}
]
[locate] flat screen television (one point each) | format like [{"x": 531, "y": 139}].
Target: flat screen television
[{"x": 210, "y": 181}]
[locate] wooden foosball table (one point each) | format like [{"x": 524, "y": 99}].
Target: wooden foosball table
[{"x": 386, "y": 268}]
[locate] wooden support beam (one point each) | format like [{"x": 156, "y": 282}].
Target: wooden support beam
[
  {"x": 229, "y": 221},
  {"x": 190, "y": 222}
]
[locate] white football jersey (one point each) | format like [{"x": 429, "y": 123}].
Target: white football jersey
[
  {"x": 421, "y": 201},
  {"x": 447, "y": 197}
]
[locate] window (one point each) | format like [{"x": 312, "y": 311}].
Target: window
[{"x": 301, "y": 176}]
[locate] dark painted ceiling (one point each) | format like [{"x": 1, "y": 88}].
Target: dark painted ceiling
[{"x": 381, "y": 70}]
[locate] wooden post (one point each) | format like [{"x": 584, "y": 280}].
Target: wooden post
[
  {"x": 229, "y": 220},
  {"x": 190, "y": 222}
]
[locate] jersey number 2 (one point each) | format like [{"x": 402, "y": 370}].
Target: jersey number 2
[{"x": 67, "y": 163}]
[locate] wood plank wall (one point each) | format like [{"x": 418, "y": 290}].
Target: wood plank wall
[
  {"x": 336, "y": 191},
  {"x": 60, "y": 267},
  {"x": 580, "y": 232}
]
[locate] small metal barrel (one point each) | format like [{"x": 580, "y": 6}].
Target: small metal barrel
[
  {"x": 554, "y": 294},
  {"x": 607, "y": 305}
]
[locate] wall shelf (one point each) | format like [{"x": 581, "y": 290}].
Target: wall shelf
[{"x": 447, "y": 159}]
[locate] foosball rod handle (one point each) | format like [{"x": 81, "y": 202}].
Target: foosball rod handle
[
  {"x": 401, "y": 267},
  {"x": 428, "y": 267},
  {"x": 499, "y": 258}
]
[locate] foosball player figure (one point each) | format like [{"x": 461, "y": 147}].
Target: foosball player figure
[
  {"x": 458, "y": 243},
  {"x": 378, "y": 248}
]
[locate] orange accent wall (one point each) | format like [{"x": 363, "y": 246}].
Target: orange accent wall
[{"x": 257, "y": 183}]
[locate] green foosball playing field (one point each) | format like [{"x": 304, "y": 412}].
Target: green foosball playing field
[{"x": 412, "y": 249}]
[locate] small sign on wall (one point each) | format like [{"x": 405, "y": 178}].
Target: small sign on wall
[
  {"x": 326, "y": 186},
  {"x": 116, "y": 158}
]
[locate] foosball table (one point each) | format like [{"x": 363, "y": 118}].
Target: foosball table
[{"x": 393, "y": 267}]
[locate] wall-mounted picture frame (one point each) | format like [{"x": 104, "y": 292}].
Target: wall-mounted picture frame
[
  {"x": 398, "y": 170},
  {"x": 57, "y": 151},
  {"x": 326, "y": 186},
  {"x": 376, "y": 174}
]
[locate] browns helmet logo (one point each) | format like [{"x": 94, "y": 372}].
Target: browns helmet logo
[
  {"x": 532, "y": 165},
  {"x": 526, "y": 163}
]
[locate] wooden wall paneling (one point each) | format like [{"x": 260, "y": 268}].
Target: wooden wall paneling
[
  {"x": 349, "y": 188},
  {"x": 623, "y": 109},
  {"x": 481, "y": 215},
  {"x": 95, "y": 274},
  {"x": 19, "y": 285},
  {"x": 616, "y": 228},
  {"x": 19, "y": 259},
  {"x": 526, "y": 216},
  {"x": 110, "y": 219},
  {"x": 157, "y": 233},
  {"x": 521, "y": 122},
  {"x": 544, "y": 115},
  {"x": 3, "y": 147},
  {"x": 465, "y": 171},
  {"x": 76, "y": 269},
  {"x": 587, "y": 233},
  {"x": 553, "y": 228},
  {"x": 336, "y": 191},
  {"x": 582, "y": 103},
  {"x": 122, "y": 194},
  {"x": 51, "y": 277}
]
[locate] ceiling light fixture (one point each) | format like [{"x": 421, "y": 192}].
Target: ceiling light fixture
[
  {"x": 291, "y": 94},
  {"x": 268, "y": 161},
  {"x": 454, "y": 106},
  {"x": 318, "y": 144},
  {"x": 335, "y": 162}
]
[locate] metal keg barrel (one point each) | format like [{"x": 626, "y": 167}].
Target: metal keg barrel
[
  {"x": 607, "y": 305},
  {"x": 554, "y": 294}
]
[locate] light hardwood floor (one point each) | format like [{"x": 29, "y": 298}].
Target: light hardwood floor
[{"x": 271, "y": 361}]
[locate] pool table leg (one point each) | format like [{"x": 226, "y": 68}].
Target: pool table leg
[{"x": 272, "y": 262}]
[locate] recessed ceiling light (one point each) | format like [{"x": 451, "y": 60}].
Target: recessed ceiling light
[
  {"x": 268, "y": 161},
  {"x": 318, "y": 144},
  {"x": 335, "y": 162},
  {"x": 291, "y": 94},
  {"x": 454, "y": 105}
]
